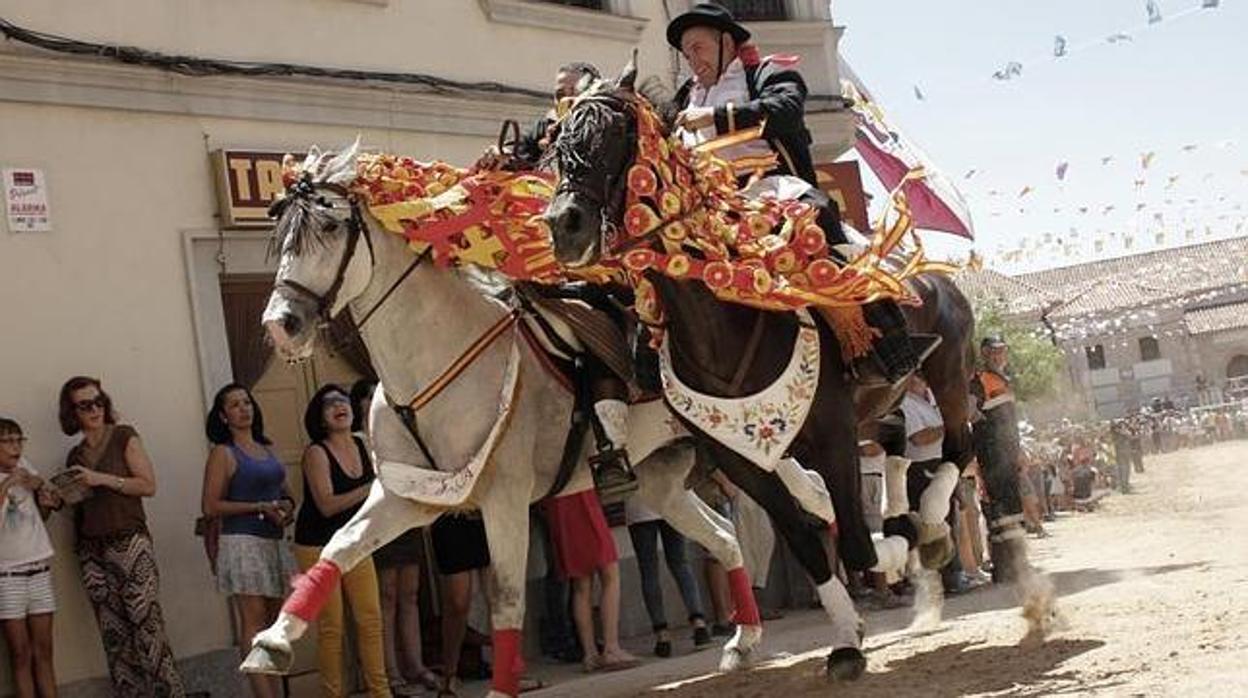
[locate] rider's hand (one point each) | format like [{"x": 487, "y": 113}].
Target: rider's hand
[
  {"x": 489, "y": 160},
  {"x": 695, "y": 118}
]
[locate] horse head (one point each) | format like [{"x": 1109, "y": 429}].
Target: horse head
[
  {"x": 317, "y": 235},
  {"x": 593, "y": 149}
]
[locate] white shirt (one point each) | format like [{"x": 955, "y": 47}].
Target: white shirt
[
  {"x": 733, "y": 87},
  {"x": 23, "y": 536},
  {"x": 921, "y": 414}
]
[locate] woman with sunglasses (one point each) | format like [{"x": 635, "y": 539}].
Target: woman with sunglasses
[
  {"x": 114, "y": 546},
  {"x": 337, "y": 476}
]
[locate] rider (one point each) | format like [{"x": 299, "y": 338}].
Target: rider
[
  {"x": 570, "y": 80},
  {"x": 998, "y": 449},
  {"x": 731, "y": 90},
  {"x": 612, "y": 471}
]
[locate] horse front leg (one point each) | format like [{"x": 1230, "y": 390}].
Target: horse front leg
[
  {"x": 505, "y": 512},
  {"x": 806, "y": 538},
  {"x": 382, "y": 518},
  {"x": 661, "y": 486}
]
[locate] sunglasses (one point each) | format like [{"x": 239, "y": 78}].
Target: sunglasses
[
  {"x": 90, "y": 405},
  {"x": 13, "y": 440}
]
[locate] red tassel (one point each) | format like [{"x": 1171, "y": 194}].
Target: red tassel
[
  {"x": 508, "y": 662},
  {"x": 312, "y": 590},
  {"x": 746, "y": 611}
]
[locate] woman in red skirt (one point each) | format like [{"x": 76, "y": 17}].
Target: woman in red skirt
[{"x": 583, "y": 548}]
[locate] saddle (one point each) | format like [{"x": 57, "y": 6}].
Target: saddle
[{"x": 567, "y": 324}]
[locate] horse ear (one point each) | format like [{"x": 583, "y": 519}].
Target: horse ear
[{"x": 628, "y": 78}]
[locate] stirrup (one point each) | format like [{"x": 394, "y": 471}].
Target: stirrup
[{"x": 613, "y": 474}]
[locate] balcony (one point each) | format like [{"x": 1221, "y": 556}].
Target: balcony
[
  {"x": 758, "y": 10},
  {"x": 586, "y": 4}
]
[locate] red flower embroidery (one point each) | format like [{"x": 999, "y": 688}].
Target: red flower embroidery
[
  {"x": 717, "y": 275},
  {"x": 639, "y": 260},
  {"x": 641, "y": 181},
  {"x": 640, "y": 219},
  {"x": 823, "y": 272}
]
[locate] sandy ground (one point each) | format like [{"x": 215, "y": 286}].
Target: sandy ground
[{"x": 1153, "y": 601}]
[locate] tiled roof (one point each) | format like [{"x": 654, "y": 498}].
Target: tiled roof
[
  {"x": 1221, "y": 317},
  {"x": 1018, "y": 296},
  {"x": 1178, "y": 275}
]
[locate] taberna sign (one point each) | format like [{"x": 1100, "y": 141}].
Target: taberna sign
[{"x": 247, "y": 183}]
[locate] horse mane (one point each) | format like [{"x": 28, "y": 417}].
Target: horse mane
[{"x": 305, "y": 219}]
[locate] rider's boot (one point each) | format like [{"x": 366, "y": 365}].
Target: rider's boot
[
  {"x": 613, "y": 473},
  {"x": 897, "y": 353}
]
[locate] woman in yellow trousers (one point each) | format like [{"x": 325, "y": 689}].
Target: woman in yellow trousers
[{"x": 337, "y": 475}]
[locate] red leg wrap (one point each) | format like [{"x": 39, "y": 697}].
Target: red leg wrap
[
  {"x": 746, "y": 609},
  {"x": 508, "y": 662},
  {"x": 312, "y": 590}
]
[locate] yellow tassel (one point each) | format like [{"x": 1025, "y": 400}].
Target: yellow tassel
[{"x": 852, "y": 331}]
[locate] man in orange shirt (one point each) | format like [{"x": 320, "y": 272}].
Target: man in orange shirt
[{"x": 998, "y": 449}]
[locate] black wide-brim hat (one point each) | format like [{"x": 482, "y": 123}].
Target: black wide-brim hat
[{"x": 706, "y": 14}]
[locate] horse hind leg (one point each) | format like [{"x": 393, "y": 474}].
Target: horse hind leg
[
  {"x": 662, "y": 489},
  {"x": 381, "y": 519}
]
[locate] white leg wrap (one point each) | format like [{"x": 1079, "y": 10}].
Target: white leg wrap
[
  {"x": 896, "y": 501},
  {"x": 738, "y": 652},
  {"x": 808, "y": 488},
  {"x": 934, "y": 503},
  {"x": 840, "y": 609},
  {"x": 284, "y": 632},
  {"x": 892, "y": 553},
  {"x": 614, "y": 417}
]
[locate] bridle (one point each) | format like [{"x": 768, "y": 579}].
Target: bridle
[
  {"x": 356, "y": 229},
  {"x": 609, "y": 200}
]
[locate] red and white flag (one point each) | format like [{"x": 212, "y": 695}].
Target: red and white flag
[{"x": 935, "y": 203}]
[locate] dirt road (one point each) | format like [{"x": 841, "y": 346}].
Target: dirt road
[{"x": 1153, "y": 596}]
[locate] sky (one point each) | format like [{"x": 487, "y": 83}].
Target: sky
[{"x": 1176, "y": 84}]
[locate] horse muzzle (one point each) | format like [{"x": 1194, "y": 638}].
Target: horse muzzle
[
  {"x": 576, "y": 231},
  {"x": 290, "y": 327}
]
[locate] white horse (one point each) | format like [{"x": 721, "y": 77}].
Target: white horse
[{"x": 490, "y": 416}]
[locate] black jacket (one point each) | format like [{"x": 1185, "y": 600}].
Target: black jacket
[
  {"x": 529, "y": 149},
  {"x": 778, "y": 95}
]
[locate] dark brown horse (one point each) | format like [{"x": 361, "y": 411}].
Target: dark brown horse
[{"x": 594, "y": 148}]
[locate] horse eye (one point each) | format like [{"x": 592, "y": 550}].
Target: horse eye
[{"x": 330, "y": 226}]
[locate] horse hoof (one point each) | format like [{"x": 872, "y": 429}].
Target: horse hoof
[
  {"x": 739, "y": 651},
  {"x": 265, "y": 659},
  {"x": 846, "y": 664},
  {"x": 735, "y": 660}
]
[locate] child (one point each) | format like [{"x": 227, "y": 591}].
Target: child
[{"x": 26, "y": 600}]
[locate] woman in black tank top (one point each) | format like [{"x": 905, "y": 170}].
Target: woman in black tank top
[
  {"x": 337, "y": 476},
  {"x": 316, "y": 527}
]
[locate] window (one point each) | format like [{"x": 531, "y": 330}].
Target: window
[
  {"x": 1150, "y": 350},
  {"x": 587, "y": 4},
  {"x": 757, "y": 10},
  {"x": 1096, "y": 357}
]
